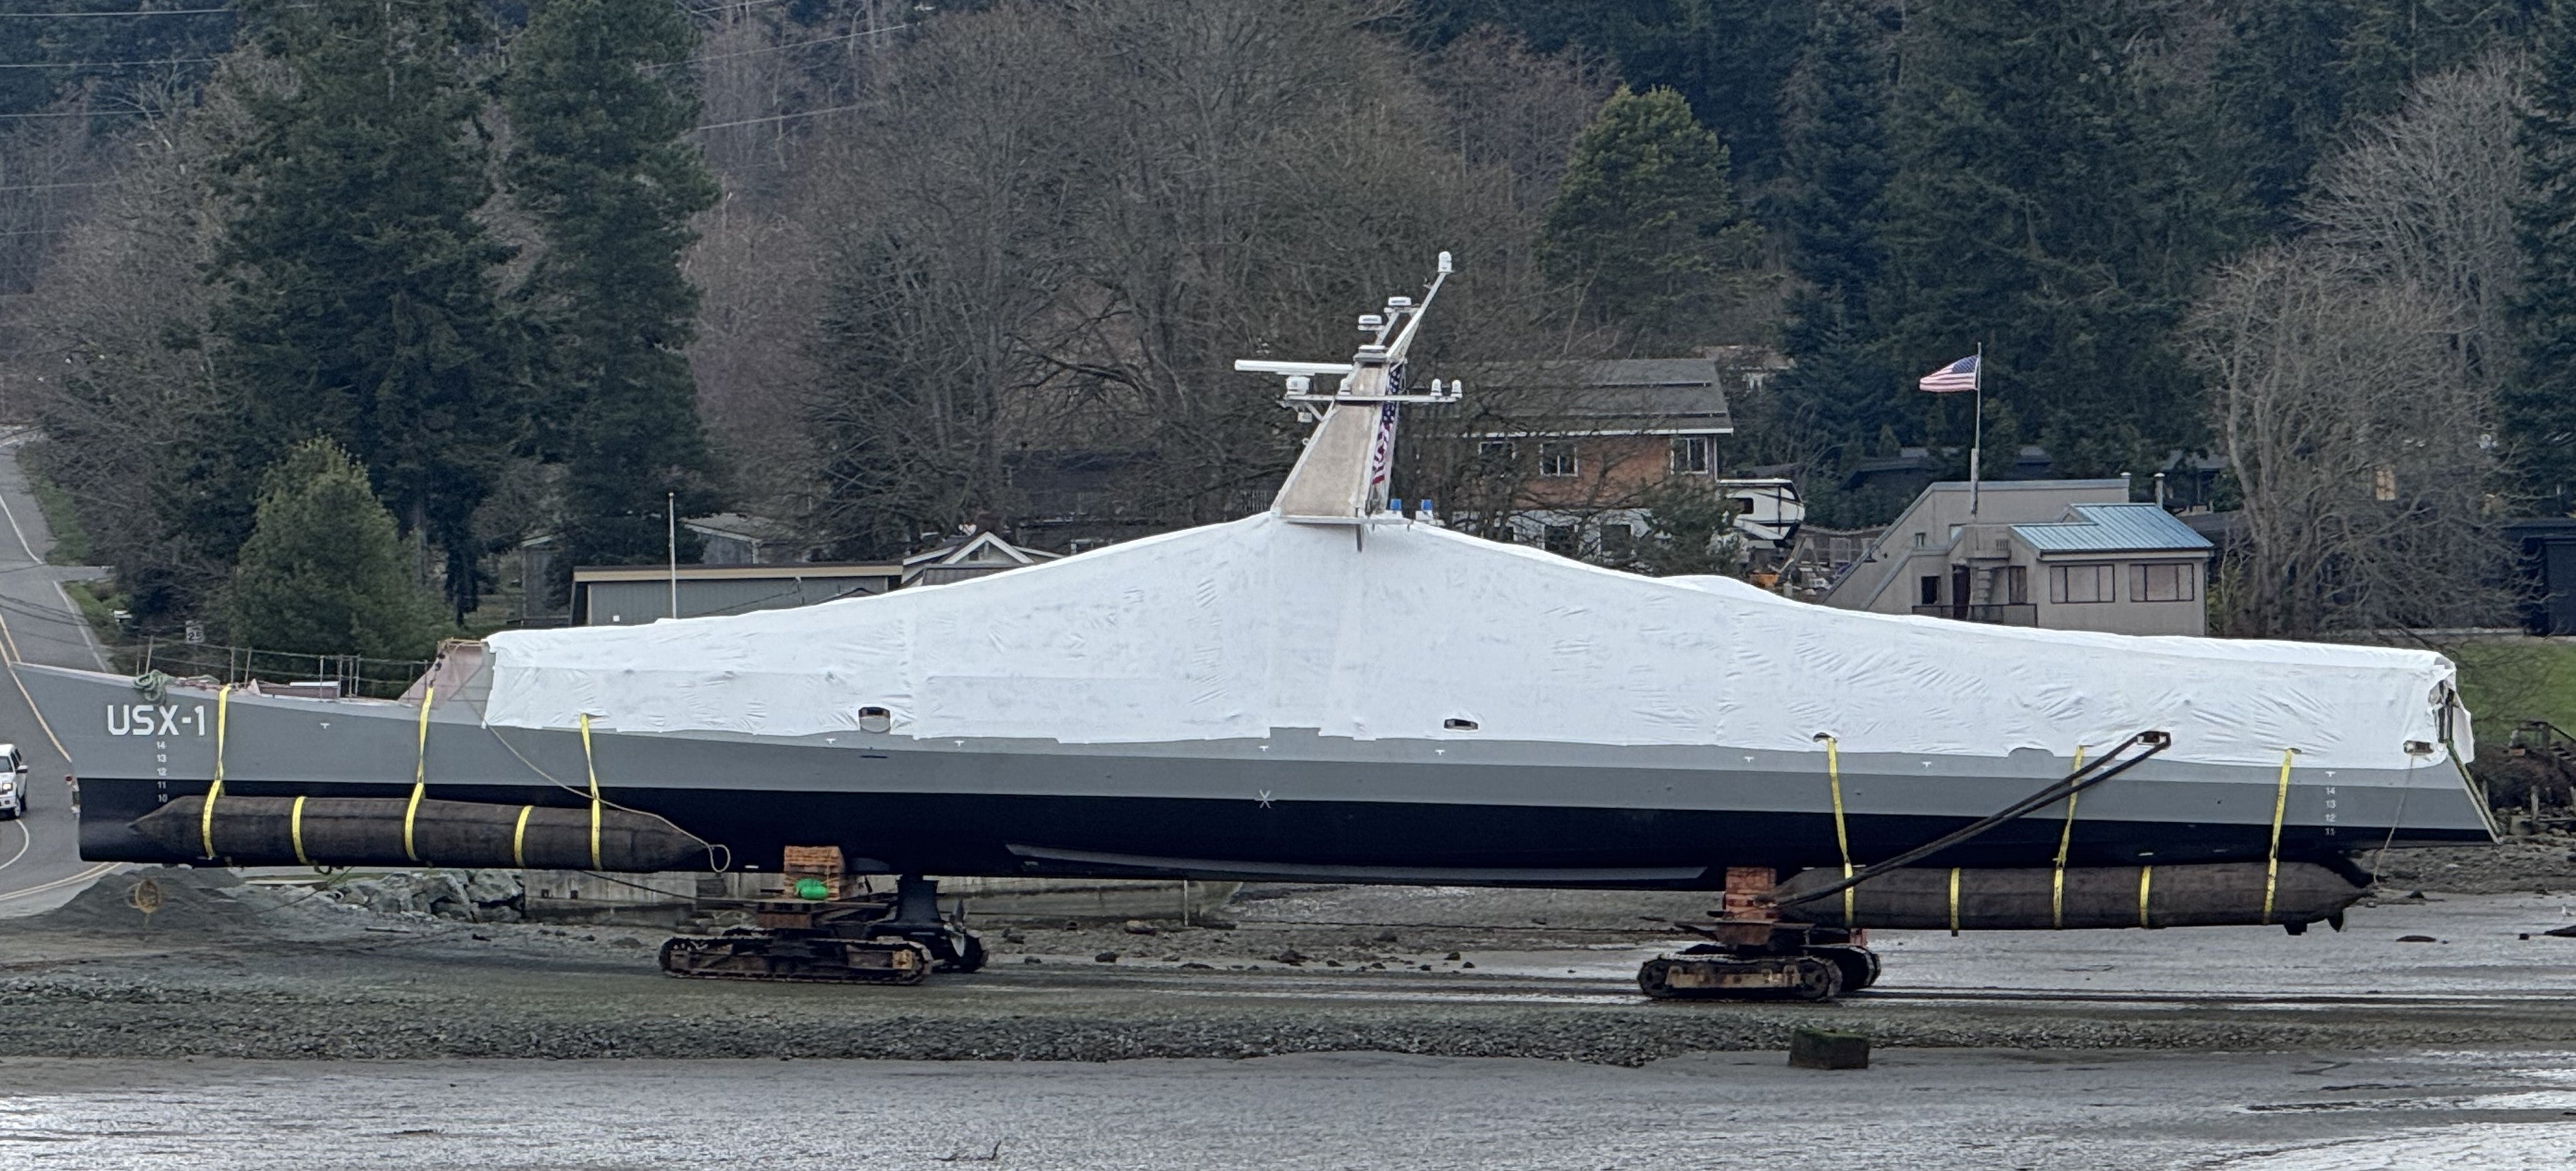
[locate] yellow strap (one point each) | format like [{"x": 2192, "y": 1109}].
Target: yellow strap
[
  {"x": 206, "y": 816},
  {"x": 591, "y": 763},
  {"x": 519, "y": 838},
  {"x": 2065, "y": 839},
  {"x": 295, "y": 831},
  {"x": 2146, "y": 882},
  {"x": 1954, "y": 900},
  {"x": 2272, "y": 863},
  {"x": 1842, "y": 836},
  {"x": 419, "y": 775}
]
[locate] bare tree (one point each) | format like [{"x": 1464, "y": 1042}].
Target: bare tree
[
  {"x": 1060, "y": 223},
  {"x": 113, "y": 361},
  {"x": 2358, "y": 438},
  {"x": 1510, "y": 107},
  {"x": 111, "y": 367},
  {"x": 2425, "y": 198},
  {"x": 760, "y": 282},
  {"x": 2353, "y": 376},
  {"x": 48, "y": 166}
]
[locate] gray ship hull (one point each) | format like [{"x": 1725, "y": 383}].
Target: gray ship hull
[{"x": 1294, "y": 805}]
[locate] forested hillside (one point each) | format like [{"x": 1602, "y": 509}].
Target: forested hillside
[{"x": 877, "y": 269}]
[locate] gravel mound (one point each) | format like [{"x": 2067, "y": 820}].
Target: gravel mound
[
  {"x": 189, "y": 900},
  {"x": 2511, "y": 866}
]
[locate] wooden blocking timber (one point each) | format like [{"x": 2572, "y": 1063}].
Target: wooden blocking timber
[
  {"x": 1825, "y": 1049},
  {"x": 1748, "y": 894},
  {"x": 819, "y": 862}
]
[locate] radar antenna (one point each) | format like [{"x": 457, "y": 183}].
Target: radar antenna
[{"x": 1341, "y": 479}]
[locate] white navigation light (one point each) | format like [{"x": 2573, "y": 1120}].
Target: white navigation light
[
  {"x": 1301, "y": 383},
  {"x": 1371, "y": 323},
  {"x": 1395, "y": 305},
  {"x": 1445, "y": 267}
]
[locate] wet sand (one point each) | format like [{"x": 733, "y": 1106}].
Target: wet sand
[
  {"x": 1926, "y": 1110},
  {"x": 227, "y": 972}
]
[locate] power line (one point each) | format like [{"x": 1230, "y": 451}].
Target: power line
[
  {"x": 777, "y": 118},
  {"x": 101, "y": 64},
  {"x": 51, "y": 186},
  {"x": 79, "y": 114},
  {"x": 137, "y": 12},
  {"x": 715, "y": 8},
  {"x": 865, "y": 32}
]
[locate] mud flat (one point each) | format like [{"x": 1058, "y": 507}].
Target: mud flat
[
  {"x": 1924, "y": 1110},
  {"x": 239, "y": 972}
]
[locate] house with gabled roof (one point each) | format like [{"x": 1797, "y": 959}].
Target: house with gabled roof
[{"x": 973, "y": 552}]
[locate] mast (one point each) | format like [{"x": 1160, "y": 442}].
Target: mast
[
  {"x": 1342, "y": 477},
  {"x": 1977, "y": 437}
]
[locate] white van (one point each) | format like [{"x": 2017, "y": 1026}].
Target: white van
[{"x": 13, "y": 782}]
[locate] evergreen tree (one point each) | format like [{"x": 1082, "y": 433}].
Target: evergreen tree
[
  {"x": 356, "y": 284},
  {"x": 2043, "y": 207},
  {"x": 1646, "y": 219},
  {"x": 2538, "y": 408},
  {"x": 1690, "y": 531},
  {"x": 2393, "y": 43},
  {"x": 598, "y": 102},
  {"x": 1830, "y": 204},
  {"x": 324, "y": 570},
  {"x": 2277, "y": 92}
]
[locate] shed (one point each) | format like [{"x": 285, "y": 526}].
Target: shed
[{"x": 630, "y": 595}]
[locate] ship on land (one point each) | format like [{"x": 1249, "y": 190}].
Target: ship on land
[{"x": 1333, "y": 690}]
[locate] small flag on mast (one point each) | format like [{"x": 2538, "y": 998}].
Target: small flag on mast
[{"x": 1957, "y": 376}]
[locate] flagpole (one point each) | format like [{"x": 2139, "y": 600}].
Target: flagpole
[{"x": 1977, "y": 444}]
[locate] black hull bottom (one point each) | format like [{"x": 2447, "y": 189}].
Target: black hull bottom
[{"x": 988, "y": 835}]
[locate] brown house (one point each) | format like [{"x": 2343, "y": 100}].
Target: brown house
[
  {"x": 1578, "y": 431},
  {"x": 1584, "y": 444},
  {"x": 1577, "y": 456}
]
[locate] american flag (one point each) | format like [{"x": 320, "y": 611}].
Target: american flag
[
  {"x": 1382, "y": 452},
  {"x": 1950, "y": 379}
]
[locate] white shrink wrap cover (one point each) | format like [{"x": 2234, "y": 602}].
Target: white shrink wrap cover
[{"x": 1232, "y": 630}]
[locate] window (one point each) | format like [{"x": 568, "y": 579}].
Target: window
[
  {"x": 1618, "y": 541},
  {"x": 1556, "y": 459},
  {"x": 1499, "y": 453},
  {"x": 1930, "y": 591},
  {"x": 2009, "y": 585},
  {"x": 1558, "y": 539},
  {"x": 2383, "y": 483},
  {"x": 2082, "y": 583},
  {"x": 2170, "y": 581},
  {"x": 1690, "y": 453},
  {"x": 1922, "y": 540}
]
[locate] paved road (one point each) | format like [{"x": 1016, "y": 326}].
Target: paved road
[{"x": 40, "y": 864}]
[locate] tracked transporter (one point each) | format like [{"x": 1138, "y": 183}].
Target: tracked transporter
[{"x": 1332, "y": 691}]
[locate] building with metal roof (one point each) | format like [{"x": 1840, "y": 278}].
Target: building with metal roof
[
  {"x": 2059, "y": 554},
  {"x": 2112, "y": 528}
]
